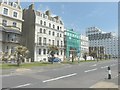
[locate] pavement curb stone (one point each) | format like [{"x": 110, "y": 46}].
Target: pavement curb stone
[{"x": 104, "y": 84}]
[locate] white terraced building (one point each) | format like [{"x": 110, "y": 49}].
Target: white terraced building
[
  {"x": 10, "y": 25},
  {"x": 98, "y": 38},
  {"x": 84, "y": 45},
  {"x": 40, "y": 30}
]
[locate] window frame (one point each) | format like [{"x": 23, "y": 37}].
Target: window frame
[
  {"x": 15, "y": 15},
  {"x": 14, "y": 24},
  {"x": 4, "y": 11},
  {"x": 4, "y": 24}
]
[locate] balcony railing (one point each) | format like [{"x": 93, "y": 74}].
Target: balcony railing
[
  {"x": 11, "y": 41},
  {"x": 47, "y": 45}
]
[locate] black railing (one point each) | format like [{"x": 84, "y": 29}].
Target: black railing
[{"x": 47, "y": 45}]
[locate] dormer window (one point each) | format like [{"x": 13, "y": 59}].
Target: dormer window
[
  {"x": 5, "y": 1},
  {"x": 46, "y": 16},
  {"x": 10, "y": 3},
  {"x": 43, "y": 15},
  {"x": 14, "y": 5},
  {"x": 40, "y": 15}
]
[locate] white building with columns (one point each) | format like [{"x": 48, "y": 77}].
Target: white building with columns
[
  {"x": 98, "y": 38},
  {"x": 41, "y": 29},
  {"x": 84, "y": 45},
  {"x": 10, "y": 25}
]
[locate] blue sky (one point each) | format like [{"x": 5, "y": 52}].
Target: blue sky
[{"x": 80, "y": 15}]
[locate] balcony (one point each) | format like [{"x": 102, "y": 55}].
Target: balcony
[
  {"x": 47, "y": 45},
  {"x": 11, "y": 29},
  {"x": 42, "y": 44},
  {"x": 11, "y": 41}
]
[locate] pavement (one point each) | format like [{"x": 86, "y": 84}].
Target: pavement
[
  {"x": 113, "y": 83},
  {"x": 82, "y": 75}
]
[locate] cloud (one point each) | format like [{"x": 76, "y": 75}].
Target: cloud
[
  {"x": 47, "y": 8},
  {"x": 63, "y": 12},
  {"x": 96, "y": 12},
  {"x": 75, "y": 27},
  {"x": 53, "y": 15},
  {"x": 39, "y": 8},
  {"x": 62, "y": 8}
]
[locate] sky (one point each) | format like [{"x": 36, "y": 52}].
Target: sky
[{"x": 81, "y": 15}]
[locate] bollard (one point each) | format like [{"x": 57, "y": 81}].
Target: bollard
[{"x": 109, "y": 73}]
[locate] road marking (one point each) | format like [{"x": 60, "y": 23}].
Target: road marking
[
  {"x": 104, "y": 67},
  {"x": 60, "y": 77},
  {"x": 94, "y": 65},
  {"x": 9, "y": 75},
  {"x": 115, "y": 76},
  {"x": 113, "y": 65},
  {"x": 22, "y": 85},
  {"x": 4, "y": 76},
  {"x": 90, "y": 70},
  {"x": 62, "y": 68}
]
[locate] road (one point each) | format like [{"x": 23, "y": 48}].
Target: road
[{"x": 82, "y": 75}]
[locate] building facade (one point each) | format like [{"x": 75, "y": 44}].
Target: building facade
[
  {"x": 41, "y": 30},
  {"x": 105, "y": 43},
  {"x": 10, "y": 25},
  {"x": 72, "y": 43},
  {"x": 84, "y": 45}
]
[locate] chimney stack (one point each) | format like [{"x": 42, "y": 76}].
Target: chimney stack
[{"x": 31, "y": 6}]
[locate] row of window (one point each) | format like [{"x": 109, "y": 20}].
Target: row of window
[
  {"x": 50, "y": 33},
  {"x": 50, "y": 25},
  {"x": 46, "y": 52},
  {"x": 4, "y": 23},
  {"x": 12, "y": 37},
  {"x": 50, "y": 18},
  {"x": 45, "y": 41},
  {"x": 10, "y": 3},
  {"x": 72, "y": 35},
  {"x": 9, "y": 48},
  {"x": 5, "y": 11}
]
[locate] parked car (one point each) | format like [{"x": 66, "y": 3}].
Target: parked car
[{"x": 54, "y": 59}]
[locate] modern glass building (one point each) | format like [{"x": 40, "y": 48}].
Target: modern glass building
[{"x": 72, "y": 43}]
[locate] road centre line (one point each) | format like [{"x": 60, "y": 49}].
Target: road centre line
[
  {"x": 9, "y": 75},
  {"x": 94, "y": 65},
  {"x": 104, "y": 67},
  {"x": 59, "y": 77},
  {"x": 113, "y": 65},
  {"x": 90, "y": 70},
  {"x": 22, "y": 85}
]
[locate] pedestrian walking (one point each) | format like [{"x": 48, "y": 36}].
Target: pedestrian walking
[{"x": 109, "y": 73}]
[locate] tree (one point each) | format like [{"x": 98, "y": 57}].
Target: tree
[
  {"x": 93, "y": 54},
  {"x": 109, "y": 56},
  {"x": 20, "y": 52},
  {"x": 85, "y": 56},
  {"x": 106, "y": 56},
  {"x": 52, "y": 50},
  {"x": 5, "y": 56},
  {"x": 101, "y": 56}
]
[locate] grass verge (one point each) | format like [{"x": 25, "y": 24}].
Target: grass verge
[
  {"x": 23, "y": 65},
  {"x": 37, "y": 64}
]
